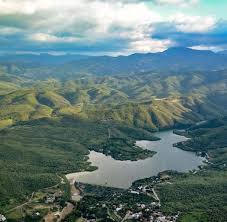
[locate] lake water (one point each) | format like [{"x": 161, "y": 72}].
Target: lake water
[{"x": 121, "y": 174}]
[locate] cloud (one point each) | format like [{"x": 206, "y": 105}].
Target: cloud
[
  {"x": 79, "y": 21},
  {"x": 9, "y": 31},
  {"x": 181, "y": 3},
  {"x": 189, "y": 24},
  {"x": 149, "y": 45},
  {"x": 96, "y": 25},
  {"x": 47, "y": 38},
  {"x": 77, "y": 17},
  {"x": 208, "y": 47}
]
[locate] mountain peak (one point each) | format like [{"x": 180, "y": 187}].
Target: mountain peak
[
  {"x": 224, "y": 52},
  {"x": 178, "y": 49},
  {"x": 185, "y": 50}
]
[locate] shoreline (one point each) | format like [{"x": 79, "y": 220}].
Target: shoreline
[
  {"x": 75, "y": 193},
  {"x": 72, "y": 177}
]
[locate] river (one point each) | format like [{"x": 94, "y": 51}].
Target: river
[{"x": 121, "y": 174}]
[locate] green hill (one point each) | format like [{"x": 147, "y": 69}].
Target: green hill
[
  {"x": 23, "y": 105},
  {"x": 201, "y": 196},
  {"x": 49, "y": 122},
  {"x": 33, "y": 152}
]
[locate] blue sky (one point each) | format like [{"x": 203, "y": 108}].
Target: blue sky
[{"x": 111, "y": 27}]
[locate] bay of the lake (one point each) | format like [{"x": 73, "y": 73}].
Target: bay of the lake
[{"x": 115, "y": 173}]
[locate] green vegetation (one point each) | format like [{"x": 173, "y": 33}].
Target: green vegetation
[
  {"x": 207, "y": 137},
  {"x": 50, "y": 117},
  {"x": 201, "y": 196},
  {"x": 33, "y": 152},
  {"x": 150, "y": 100},
  {"x": 41, "y": 203},
  {"x": 100, "y": 203}
]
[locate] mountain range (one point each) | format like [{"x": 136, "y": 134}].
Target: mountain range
[
  {"x": 55, "y": 109},
  {"x": 173, "y": 59}
]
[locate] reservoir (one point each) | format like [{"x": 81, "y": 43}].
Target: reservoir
[{"x": 121, "y": 174}]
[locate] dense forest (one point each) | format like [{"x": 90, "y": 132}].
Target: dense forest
[{"x": 202, "y": 194}]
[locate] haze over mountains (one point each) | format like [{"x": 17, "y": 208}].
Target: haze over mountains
[{"x": 173, "y": 59}]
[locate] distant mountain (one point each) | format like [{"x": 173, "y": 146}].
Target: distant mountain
[
  {"x": 41, "y": 59},
  {"x": 182, "y": 51},
  {"x": 173, "y": 59},
  {"x": 68, "y": 66},
  {"x": 224, "y": 52}
]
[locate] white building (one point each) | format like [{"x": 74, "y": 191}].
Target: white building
[{"x": 2, "y": 218}]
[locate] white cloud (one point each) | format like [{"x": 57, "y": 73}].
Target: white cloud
[
  {"x": 87, "y": 21},
  {"x": 81, "y": 17},
  {"x": 9, "y": 30},
  {"x": 42, "y": 37},
  {"x": 91, "y": 21},
  {"x": 208, "y": 47},
  {"x": 181, "y": 3},
  {"x": 149, "y": 45},
  {"x": 185, "y": 23}
]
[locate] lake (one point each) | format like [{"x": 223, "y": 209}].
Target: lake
[{"x": 121, "y": 174}]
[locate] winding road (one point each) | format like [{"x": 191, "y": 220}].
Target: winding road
[
  {"x": 156, "y": 196},
  {"x": 30, "y": 199}
]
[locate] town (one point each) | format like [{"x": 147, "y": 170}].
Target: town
[
  {"x": 75, "y": 201},
  {"x": 138, "y": 203},
  {"x": 49, "y": 204}
]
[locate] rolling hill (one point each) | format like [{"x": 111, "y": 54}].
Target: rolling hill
[{"x": 53, "y": 114}]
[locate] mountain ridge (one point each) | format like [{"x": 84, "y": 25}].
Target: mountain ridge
[{"x": 64, "y": 66}]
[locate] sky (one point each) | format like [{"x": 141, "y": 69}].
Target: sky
[{"x": 111, "y": 27}]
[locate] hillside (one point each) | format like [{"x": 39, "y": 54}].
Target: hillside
[
  {"x": 68, "y": 66},
  {"x": 50, "y": 122},
  {"x": 148, "y": 100},
  {"x": 201, "y": 195},
  {"x": 208, "y": 137},
  {"x": 173, "y": 59},
  {"x": 33, "y": 152},
  {"x": 24, "y": 105},
  {"x": 196, "y": 196}
]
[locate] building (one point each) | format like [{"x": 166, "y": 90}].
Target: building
[{"x": 2, "y": 218}]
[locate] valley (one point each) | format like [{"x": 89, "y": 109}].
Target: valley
[
  {"x": 113, "y": 111},
  {"x": 171, "y": 195},
  {"x": 56, "y": 119}
]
